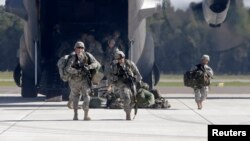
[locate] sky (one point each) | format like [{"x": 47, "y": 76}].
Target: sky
[{"x": 178, "y": 4}]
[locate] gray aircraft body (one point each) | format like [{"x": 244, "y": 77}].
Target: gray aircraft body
[{"x": 51, "y": 23}]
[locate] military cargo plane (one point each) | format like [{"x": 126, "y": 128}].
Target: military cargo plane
[{"x": 48, "y": 24}]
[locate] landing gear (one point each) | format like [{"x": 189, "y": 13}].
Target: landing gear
[
  {"x": 28, "y": 87},
  {"x": 150, "y": 80},
  {"x": 17, "y": 74}
]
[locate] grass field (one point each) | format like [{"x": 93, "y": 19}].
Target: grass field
[
  {"x": 219, "y": 77},
  {"x": 227, "y": 80},
  {"x": 226, "y": 84},
  {"x": 172, "y": 80},
  {"x": 6, "y": 79},
  {"x": 6, "y": 75}
]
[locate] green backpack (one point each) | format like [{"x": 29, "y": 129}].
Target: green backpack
[
  {"x": 63, "y": 61},
  {"x": 197, "y": 78},
  {"x": 61, "y": 64}
]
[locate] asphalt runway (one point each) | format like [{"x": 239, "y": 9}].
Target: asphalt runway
[
  {"x": 35, "y": 119},
  {"x": 164, "y": 90}
]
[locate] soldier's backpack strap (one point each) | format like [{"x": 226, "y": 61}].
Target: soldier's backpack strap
[
  {"x": 128, "y": 63},
  {"x": 88, "y": 58},
  {"x": 200, "y": 67}
]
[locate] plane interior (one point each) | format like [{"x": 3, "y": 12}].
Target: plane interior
[{"x": 64, "y": 21}]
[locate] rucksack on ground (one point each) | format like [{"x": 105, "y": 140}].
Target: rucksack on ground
[
  {"x": 97, "y": 102},
  {"x": 161, "y": 103},
  {"x": 61, "y": 64}
]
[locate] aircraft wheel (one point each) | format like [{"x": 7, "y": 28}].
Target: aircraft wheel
[
  {"x": 28, "y": 87},
  {"x": 17, "y": 75}
]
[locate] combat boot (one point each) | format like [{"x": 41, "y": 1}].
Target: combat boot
[
  {"x": 128, "y": 116},
  {"x": 70, "y": 104},
  {"x": 86, "y": 117},
  {"x": 75, "y": 114},
  {"x": 200, "y": 105}
]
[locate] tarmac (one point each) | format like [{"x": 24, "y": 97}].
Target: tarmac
[{"x": 36, "y": 120}]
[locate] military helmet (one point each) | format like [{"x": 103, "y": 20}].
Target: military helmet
[
  {"x": 119, "y": 55},
  {"x": 79, "y": 44},
  {"x": 205, "y": 57}
]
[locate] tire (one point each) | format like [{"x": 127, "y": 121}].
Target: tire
[
  {"x": 17, "y": 75},
  {"x": 28, "y": 88},
  {"x": 149, "y": 80}
]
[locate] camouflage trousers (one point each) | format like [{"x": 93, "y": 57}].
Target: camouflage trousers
[
  {"x": 125, "y": 95},
  {"x": 79, "y": 89},
  {"x": 201, "y": 94}
]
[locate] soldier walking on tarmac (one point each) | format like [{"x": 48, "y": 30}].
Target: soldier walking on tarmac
[
  {"x": 207, "y": 73},
  {"x": 79, "y": 66},
  {"x": 122, "y": 72}
]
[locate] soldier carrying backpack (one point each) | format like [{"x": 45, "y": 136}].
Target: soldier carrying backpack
[
  {"x": 76, "y": 69},
  {"x": 199, "y": 79}
]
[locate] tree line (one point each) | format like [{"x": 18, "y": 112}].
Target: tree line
[
  {"x": 181, "y": 38},
  {"x": 11, "y": 28}
]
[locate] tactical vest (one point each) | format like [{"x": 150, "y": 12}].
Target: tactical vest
[
  {"x": 121, "y": 71},
  {"x": 63, "y": 61},
  {"x": 86, "y": 59}
]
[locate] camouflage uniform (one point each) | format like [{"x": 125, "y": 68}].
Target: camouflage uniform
[
  {"x": 120, "y": 85},
  {"x": 119, "y": 42},
  {"x": 144, "y": 97},
  {"x": 95, "y": 48},
  {"x": 201, "y": 92},
  {"x": 78, "y": 83},
  {"x": 120, "y": 45},
  {"x": 109, "y": 57}
]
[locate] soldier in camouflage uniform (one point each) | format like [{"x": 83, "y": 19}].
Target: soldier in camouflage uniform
[
  {"x": 109, "y": 56},
  {"x": 119, "y": 80},
  {"x": 150, "y": 98},
  {"x": 95, "y": 48},
  {"x": 201, "y": 92},
  {"x": 144, "y": 97},
  {"x": 118, "y": 41},
  {"x": 78, "y": 64}
]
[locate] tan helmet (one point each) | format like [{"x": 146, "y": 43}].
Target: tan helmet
[
  {"x": 205, "y": 57},
  {"x": 119, "y": 54},
  {"x": 79, "y": 44}
]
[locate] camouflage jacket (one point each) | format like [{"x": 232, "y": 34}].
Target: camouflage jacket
[
  {"x": 109, "y": 54},
  {"x": 77, "y": 74},
  {"x": 204, "y": 68},
  {"x": 116, "y": 74}
]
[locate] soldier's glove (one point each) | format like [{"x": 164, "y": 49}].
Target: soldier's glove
[{"x": 86, "y": 68}]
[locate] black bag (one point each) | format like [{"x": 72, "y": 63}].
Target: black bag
[{"x": 189, "y": 79}]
